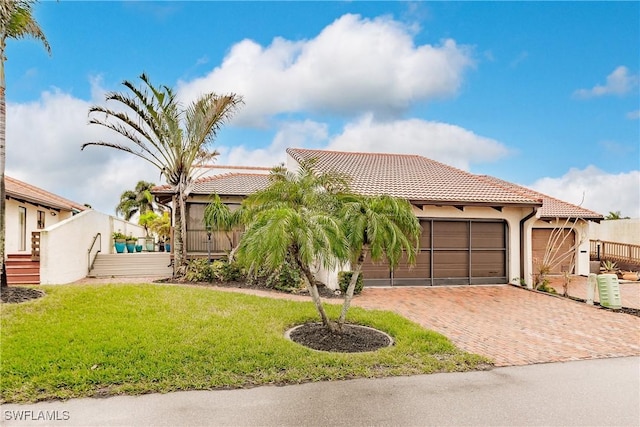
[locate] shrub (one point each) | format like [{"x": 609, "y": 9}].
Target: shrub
[
  {"x": 199, "y": 270},
  {"x": 344, "y": 277},
  {"x": 229, "y": 272},
  {"x": 287, "y": 278}
]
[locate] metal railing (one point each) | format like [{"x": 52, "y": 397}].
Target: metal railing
[
  {"x": 91, "y": 261},
  {"x": 601, "y": 250}
]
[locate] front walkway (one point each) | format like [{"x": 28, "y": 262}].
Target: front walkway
[{"x": 512, "y": 326}]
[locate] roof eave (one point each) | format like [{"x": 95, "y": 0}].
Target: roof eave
[{"x": 456, "y": 203}]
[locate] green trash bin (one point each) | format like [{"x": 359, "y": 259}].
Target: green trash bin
[{"x": 609, "y": 291}]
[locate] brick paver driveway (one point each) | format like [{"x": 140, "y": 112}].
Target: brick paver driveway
[{"x": 512, "y": 326}]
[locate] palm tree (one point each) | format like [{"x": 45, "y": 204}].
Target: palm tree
[
  {"x": 379, "y": 226},
  {"x": 136, "y": 201},
  {"x": 295, "y": 218},
  {"x": 173, "y": 138},
  {"x": 16, "y": 22}
]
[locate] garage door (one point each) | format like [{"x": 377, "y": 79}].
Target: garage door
[
  {"x": 564, "y": 242},
  {"x": 451, "y": 253}
]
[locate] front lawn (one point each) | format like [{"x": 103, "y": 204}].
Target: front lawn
[{"x": 99, "y": 340}]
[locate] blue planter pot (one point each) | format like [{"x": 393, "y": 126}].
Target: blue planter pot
[
  {"x": 138, "y": 248},
  {"x": 131, "y": 247},
  {"x": 167, "y": 247},
  {"x": 120, "y": 246}
]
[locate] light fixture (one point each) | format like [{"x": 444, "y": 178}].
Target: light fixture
[{"x": 53, "y": 213}]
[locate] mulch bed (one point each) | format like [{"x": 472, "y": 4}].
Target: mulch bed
[
  {"x": 18, "y": 294},
  {"x": 353, "y": 339}
]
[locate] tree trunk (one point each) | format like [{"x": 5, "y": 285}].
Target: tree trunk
[
  {"x": 3, "y": 159},
  {"x": 315, "y": 296},
  {"x": 350, "y": 289},
  {"x": 178, "y": 239}
]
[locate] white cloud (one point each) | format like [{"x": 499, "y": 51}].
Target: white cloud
[
  {"x": 603, "y": 192},
  {"x": 308, "y": 134},
  {"x": 43, "y": 149},
  {"x": 354, "y": 65},
  {"x": 619, "y": 82},
  {"x": 633, "y": 115},
  {"x": 446, "y": 143}
]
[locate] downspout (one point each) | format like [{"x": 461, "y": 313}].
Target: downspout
[{"x": 522, "y": 221}]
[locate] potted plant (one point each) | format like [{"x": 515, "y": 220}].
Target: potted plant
[
  {"x": 119, "y": 241},
  {"x": 131, "y": 244}
]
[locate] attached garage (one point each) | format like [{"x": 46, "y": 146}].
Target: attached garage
[
  {"x": 562, "y": 245},
  {"x": 452, "y": 252}
]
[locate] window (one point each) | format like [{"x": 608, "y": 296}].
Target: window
[
  {"x": 41, "y": 218},
  {"x": 22, "y": 223}
]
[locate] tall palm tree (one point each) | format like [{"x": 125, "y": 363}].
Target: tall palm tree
[
  {"x": 295, "y": 218},
  {"x": 136, "y": 201},
  {"x": 16, "y": 22},
  {"x": 379, "y": 227},
  {"x": 173, "y": 138}
]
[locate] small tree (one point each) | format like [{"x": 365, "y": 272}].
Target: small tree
[
  {"x": 296, "y": 218},
  {"x": 379, "y": 226},
  {"x": 147, "y": 219}
]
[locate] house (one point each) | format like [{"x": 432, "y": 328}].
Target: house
[
  {"x": 232, "y": 184},
  {"x": 50, "y": 239},
  {"x": 31, "y": 209},
  {"x": 476, "y": 229}
]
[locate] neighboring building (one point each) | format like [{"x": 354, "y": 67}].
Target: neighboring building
[
  {"x": 476, "y": 229},
  {"x": 31, "y": 209}
]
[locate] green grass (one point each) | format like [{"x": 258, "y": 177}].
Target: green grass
[{"x": 92, "y": 340}]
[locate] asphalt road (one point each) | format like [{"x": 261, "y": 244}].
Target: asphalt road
[{"x": 604, "y": 392}]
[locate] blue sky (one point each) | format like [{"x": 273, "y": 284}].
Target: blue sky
[{"x": 543, "y": 94}]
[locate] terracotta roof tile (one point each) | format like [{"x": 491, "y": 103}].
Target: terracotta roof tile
[
  {"x": 236, "y": 184},
  {"x": 22, "y": 191},
  {"x": 551, "y": 207},
  {"x": 411, "y": 177}
]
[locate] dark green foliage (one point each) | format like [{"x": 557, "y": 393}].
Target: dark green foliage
[
  {"x": 344, "y": 277},
  {"x": 201, "y": 270},
  {"x": 287, "y": 278},
  {"x": 230, "y": 272}
]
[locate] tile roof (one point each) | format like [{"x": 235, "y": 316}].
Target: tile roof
[
  {"x": 231, "y": 184},
  {"x": 413, "y": 177},
  {"x": 418, "y": 178},
  {"x": 551, "y": 207},
  {"x": 20, "y": 190}
]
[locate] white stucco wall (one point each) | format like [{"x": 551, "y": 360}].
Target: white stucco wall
[
  {"x": 13, "y": 228},
  {"x": 618, "y": 230},
  {"x": 64, "y": 246}
]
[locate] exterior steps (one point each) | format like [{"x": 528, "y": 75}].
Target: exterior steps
[
  {"x": 132, "y": 265},
  {"x": 21, "y": 270}
]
